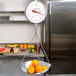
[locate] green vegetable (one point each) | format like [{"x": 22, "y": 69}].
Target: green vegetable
[
  {"x": 33, "y": 50},
  {"x": 30, "y": 50}
]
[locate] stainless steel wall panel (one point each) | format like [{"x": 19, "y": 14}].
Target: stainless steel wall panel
[
  {"x": 63, "y": 25},
  {"x": 62, "y": 33},
  {"x": 63, "y": 17}
]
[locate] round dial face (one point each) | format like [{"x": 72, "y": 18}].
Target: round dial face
[{"x": 36, "y": 12}]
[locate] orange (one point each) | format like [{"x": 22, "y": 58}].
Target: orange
[
  {"x": 44, "y": 68},
  {"x": 30, "y": 65},
  {"x": 21, "y": 46},
  {"x": 35, "y": 63},
  {"x": 38, "y": 69},
  {"x": 25, "y": 46},
  {"x": 31, "y": 70}
]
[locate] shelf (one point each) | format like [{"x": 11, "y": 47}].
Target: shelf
[
  {"x": 11, "y": 14},
  {"x": 18, "y": 18},
  {"x": 23, "y": 53},
  {"x": 12, "y": 17}
]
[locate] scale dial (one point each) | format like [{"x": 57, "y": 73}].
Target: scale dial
[{"x": 36, "y": 12}]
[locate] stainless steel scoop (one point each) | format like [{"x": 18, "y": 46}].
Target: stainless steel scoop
[{"x": 26, "y": 64}]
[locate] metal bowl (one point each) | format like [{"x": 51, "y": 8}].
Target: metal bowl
[{"x": 26, "y": 64}]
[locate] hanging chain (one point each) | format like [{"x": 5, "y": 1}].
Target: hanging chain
[
  {"x": 35, "y": 32},
  {"x": 36, "y": 36},
  {"x": 41, "y": 44}
]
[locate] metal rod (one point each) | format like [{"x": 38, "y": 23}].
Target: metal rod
[
  {"x": 36, "y": 35},
  {"x": 41, "y": 44},
  {"x": 43, "y": 50}
]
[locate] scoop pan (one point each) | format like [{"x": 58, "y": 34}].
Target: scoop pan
[{"x": 26, "y": 64}]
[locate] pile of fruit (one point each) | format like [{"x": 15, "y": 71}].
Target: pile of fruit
[
  {"x": 23, "y": 47},
  {"x": 12, "y": 48},
  {"x": 33, "y": 48},
  {"x": 35, "y": 68}
]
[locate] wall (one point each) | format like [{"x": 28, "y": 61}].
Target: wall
[
  {"x": 17, "y": 33},
  {"x": 13, "y": 5}
]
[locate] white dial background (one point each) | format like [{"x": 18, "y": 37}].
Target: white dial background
[{"x": 39, "y": 15}]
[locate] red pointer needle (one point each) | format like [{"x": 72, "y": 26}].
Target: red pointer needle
[{"x": 36, "y": 12}]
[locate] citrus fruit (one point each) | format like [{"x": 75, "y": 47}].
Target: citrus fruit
[
  {"x": 35, "y": 63},
  {"x": 31, "y": 70},
  {"x": 33, "y": 50},
  {"x": 25, "y": 46},
  {"x": 29, "y": 46},
  {"x": 44, "y": 68},
  {"x": 30, "y": 65},
  {"x": 38, "y": 69},
  {"x": 21, "y": 46},
  {"x": 32, "y": 46}
]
